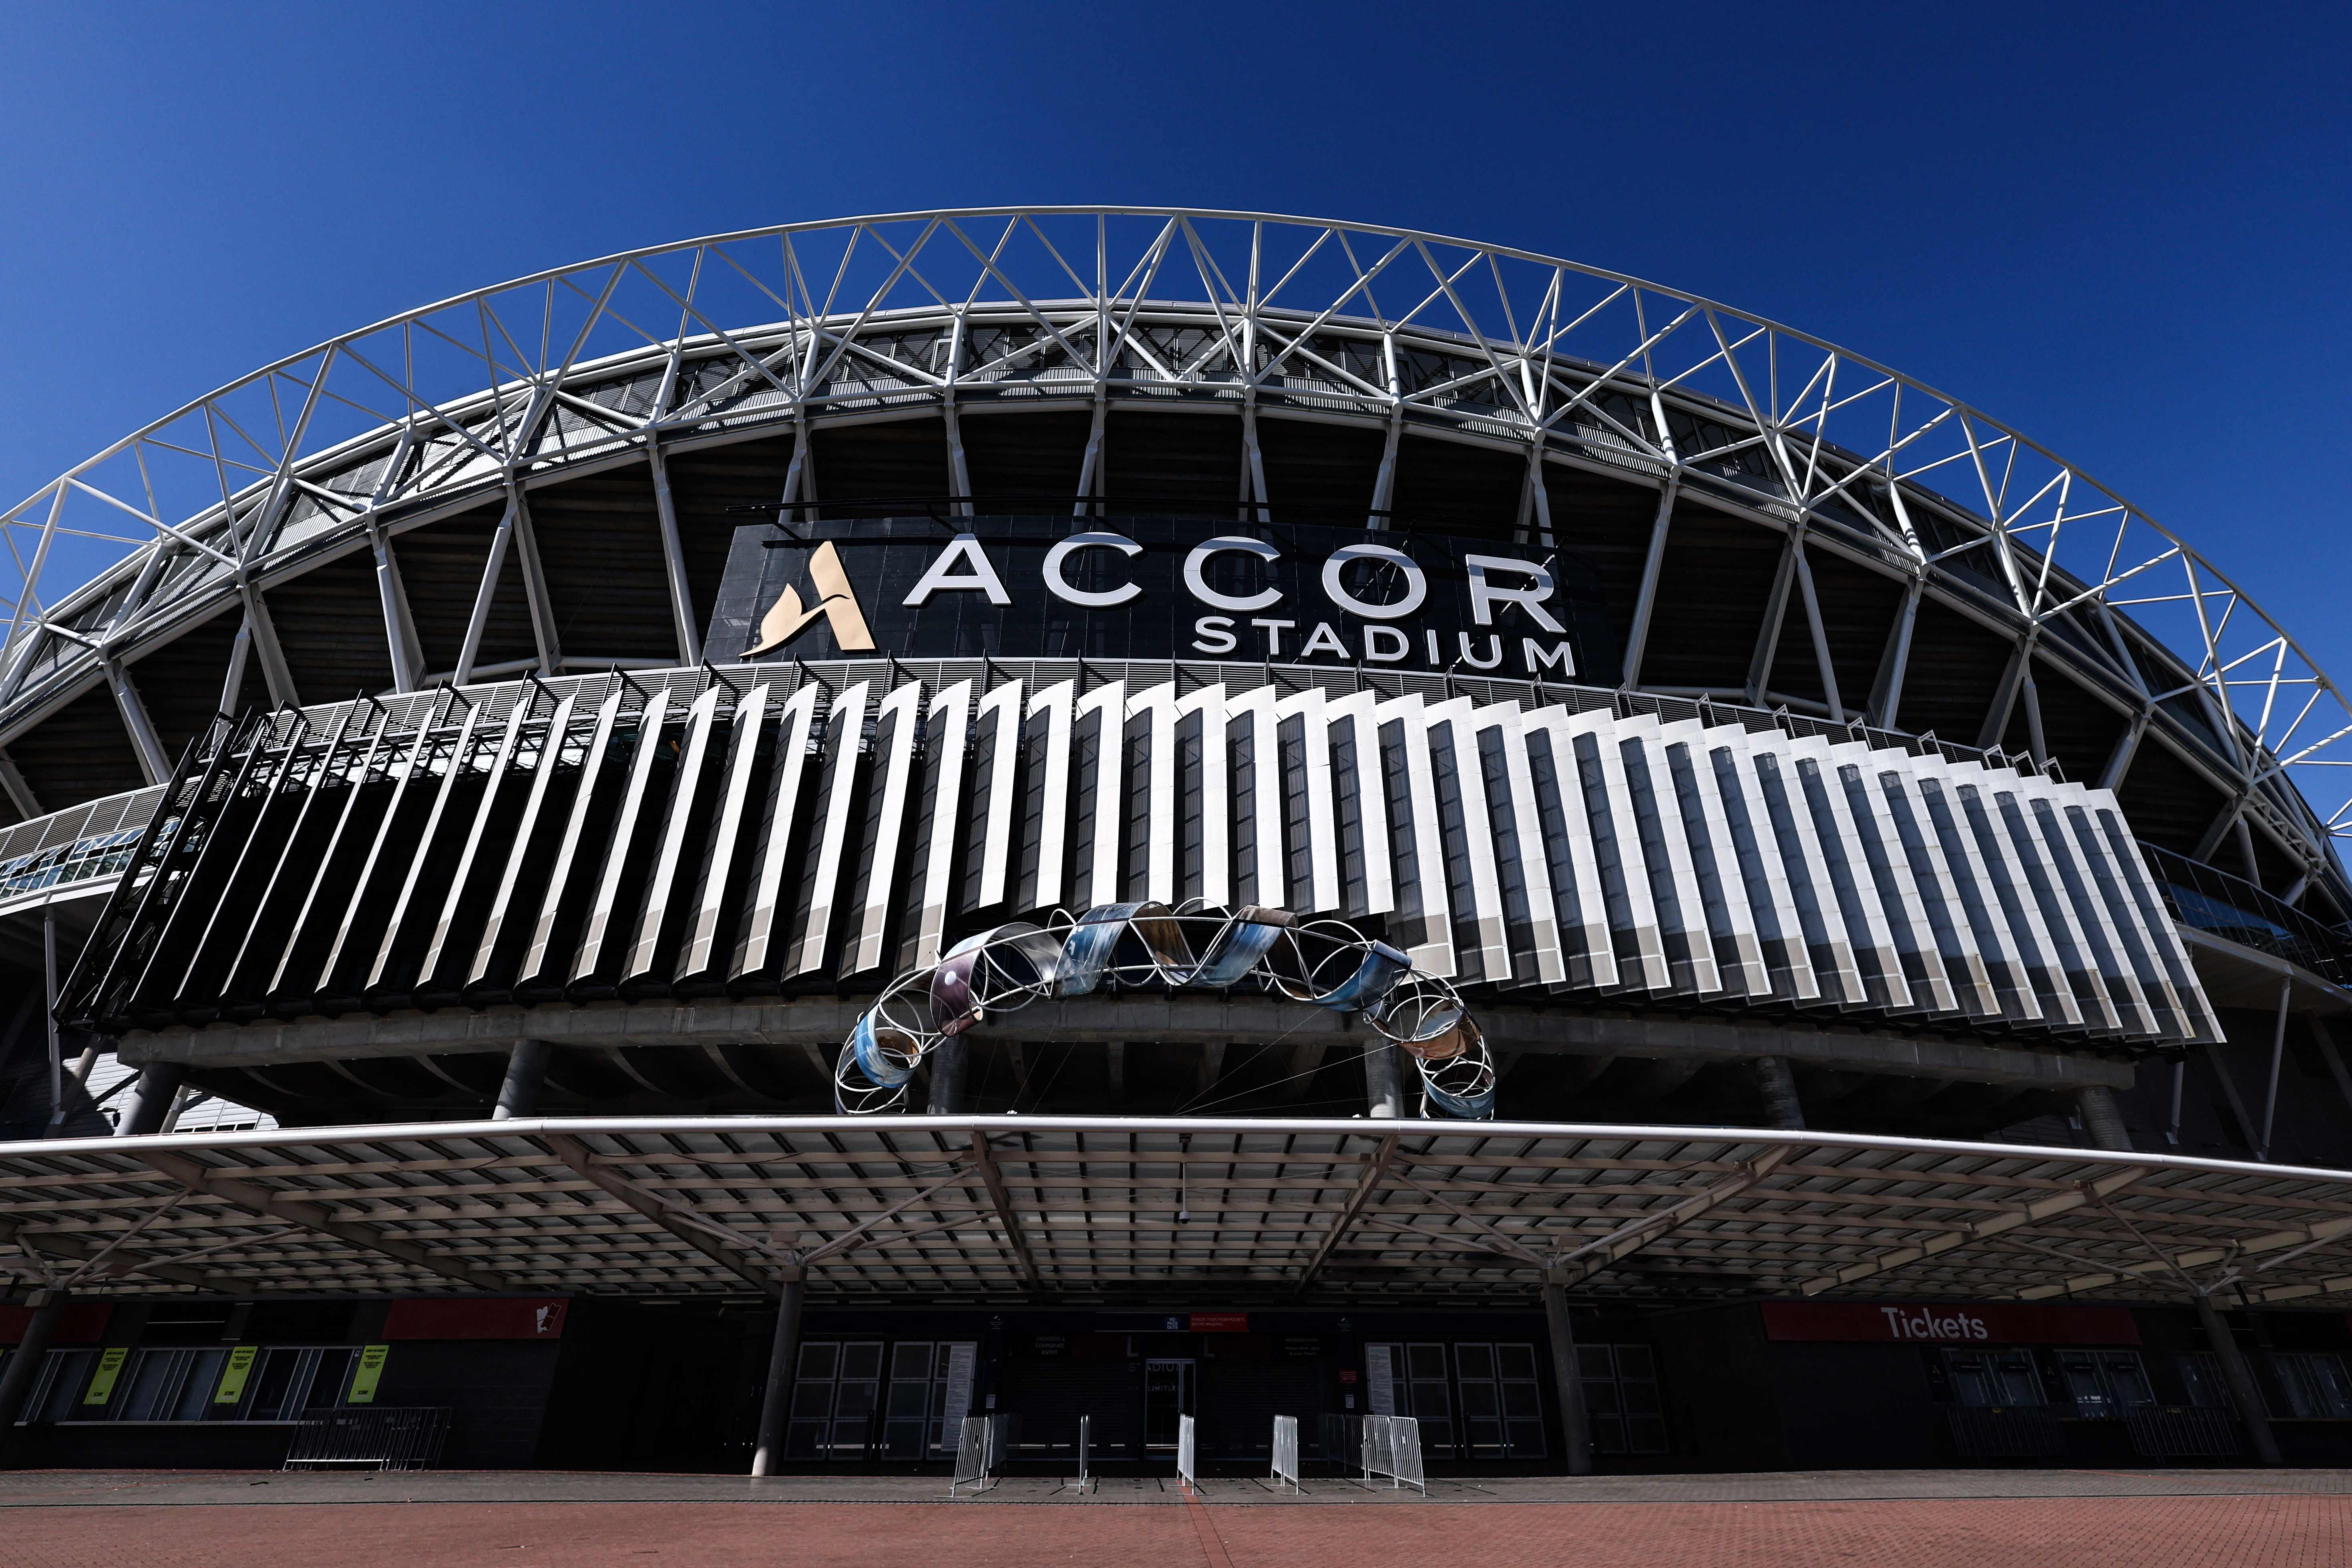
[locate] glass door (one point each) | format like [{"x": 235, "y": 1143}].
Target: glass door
[{"x": 1167, "y": 1395}]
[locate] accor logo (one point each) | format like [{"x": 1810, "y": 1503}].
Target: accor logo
[{"x": 836, "y": 602}]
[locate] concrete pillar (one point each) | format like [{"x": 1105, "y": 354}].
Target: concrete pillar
[
  {"x": 1383, "y": 1095},
  {"x": 783, "y": 1359},
  {"x": 2240, "y": 1379},
  {"x": 947, "y": 1058},
  {"x": 1575, "y": 1425},
  {"x": 526, "y": 1071},
  {"x": 1781, "y": 1107},
  {"x": 25, "y": 1364},
  {"x": 157, "y": 1091},
  {"x": 2103, "y": 1118}
]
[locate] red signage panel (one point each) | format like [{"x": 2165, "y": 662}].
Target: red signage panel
[
  {"x": 79, "y": 1324},
  {"x": 1218, "y": 1323},
  {"x": 2001, "y": 1324},
  {"x": 501, "y": 1318}
]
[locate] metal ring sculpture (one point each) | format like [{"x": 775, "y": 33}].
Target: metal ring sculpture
[{"x": 1322, "y": 963}]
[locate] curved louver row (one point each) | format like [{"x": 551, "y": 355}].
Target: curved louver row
[{"x": 783, "y": 829}]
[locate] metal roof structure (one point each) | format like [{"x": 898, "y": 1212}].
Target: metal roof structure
[
  {"x": 469, "y": 402},
  {"x": 1118, "y": 1210}
]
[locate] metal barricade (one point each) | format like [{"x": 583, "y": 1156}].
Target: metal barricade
[
  {"x": 2016, "y": 1432},
  {"x": 1085, "y": 1448},
  {"x": 1184, "y": 1450},
  {"x": 974, "y": 1446},
  {"x": 2182, "y": 1432},
  {"x": 1286, "y": 1450},
  {"x": 1392, "y": 1448},
  {"x": 393, "y": 1437}
]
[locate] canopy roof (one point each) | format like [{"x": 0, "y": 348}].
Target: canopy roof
[{"x": 1123, "y": 1210}]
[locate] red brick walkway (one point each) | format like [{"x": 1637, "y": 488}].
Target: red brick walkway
[{"x": 2269, "y": 1531}]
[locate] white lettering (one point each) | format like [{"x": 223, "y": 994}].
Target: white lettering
[
  {"x": 1894, "y": 1322},
  {"x": 981, "y": 576},
  {"x": 1196, "y": 580},
  {"x": 1561, "y": 657},
  {"x": 1416, "y": 585},
  {"x": 1485, "y": 595},
  {"x": 1385, "y": 644},
  {"x": 1274, "y": 630},
  {"x": 1213, "y": 633},
  {"x": 1324, "y": 640},
  {"x": 1435, "y": 656},
  {"x": 1494, "y": 652},
  {"x": 1108, "y": 598}
]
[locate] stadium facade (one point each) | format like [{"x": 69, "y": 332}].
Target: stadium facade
[{"x": 1138, "y": 812}]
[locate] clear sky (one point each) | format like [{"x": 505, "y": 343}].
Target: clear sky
[{"x": 2122, "y": 228}]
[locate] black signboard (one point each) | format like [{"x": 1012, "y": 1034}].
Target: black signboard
[{"x": 1159, "y": 588}]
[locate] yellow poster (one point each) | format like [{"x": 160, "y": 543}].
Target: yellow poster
[
  {"x": 110, "y": 1367},
  {"x": 370, "y": 1368},
  {"x": 233, "y": 1376}
]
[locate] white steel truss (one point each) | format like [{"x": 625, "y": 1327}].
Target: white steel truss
[{"x": 631, "y": 355}]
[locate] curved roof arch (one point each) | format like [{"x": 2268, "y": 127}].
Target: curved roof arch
[{"x": 421, "y": 414}]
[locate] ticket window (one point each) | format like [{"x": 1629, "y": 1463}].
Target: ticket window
[
  {"x": 2104, "y": 1384},
  {"x": 1994, "y": 1378},
  {"x": 170, "y": 1385}
]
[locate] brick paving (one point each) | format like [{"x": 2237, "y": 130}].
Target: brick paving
[{"x": 1921, "y": 1519}]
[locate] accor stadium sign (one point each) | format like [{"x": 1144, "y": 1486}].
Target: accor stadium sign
[{"x": 1157, "y": 588}]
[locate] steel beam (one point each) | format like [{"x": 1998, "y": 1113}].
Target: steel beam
[{"x": 270, "y": 1204}]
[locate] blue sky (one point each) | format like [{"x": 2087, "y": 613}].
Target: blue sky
[{"x": 2122, "y": 229}]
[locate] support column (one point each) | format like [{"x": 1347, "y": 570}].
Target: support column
[
  {"x": 158, "y": 1090},
  {"x": 2103, "y": 1118},
  {"x": 2278, "y": 1056},
  {"x": 1382, "y": 1095},
  {"x": 1575, "y": 1425},
  {"x": 783, "y": 1357},
  {"x": 25, "y": 1363},
  {"x": 1781, "y": 1107},
  {"x": 2240, "y": 1379},
  {"x": 948, "y": 1059},
  {"x": 526, "y": 1071}
]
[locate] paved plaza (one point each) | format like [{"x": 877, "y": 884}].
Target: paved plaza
[{"x": 1973, "y": 1519}]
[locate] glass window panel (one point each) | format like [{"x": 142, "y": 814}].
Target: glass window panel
[
  {"x": 817, "y": 1359},
  {"x": 2019, "y": 1384},
  {"x": 2128, "y": 1380},
  {"x": 1520, "y": 1401},
  {"x": 1515, "y": 1360},
  {"x": 327, "y": 1382},
  {"x": 1480, "y": 1402},
  {"x": 910, "y": 1359},
  {"x": 196, "y": 1387},
  {"x": 1594, "y": 1361},
  {"x": 146, "y": 1394},
  {"x": 1635, "y": 1361},
  {"x": 62, "y": 1382},
  {"x": 1474, "y": 1361},
  {"x": 856, "y": 1399},
  {"x": 1426, "y": 1360},
  {"x": 274, "y": 1385},
  {"x": 863, "y": 1359}
]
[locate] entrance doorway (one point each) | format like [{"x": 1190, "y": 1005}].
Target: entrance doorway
[{"x": 1168, "y": 1385}]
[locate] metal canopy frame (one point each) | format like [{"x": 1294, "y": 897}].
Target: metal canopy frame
[
  {"x": 1084, "y": 1210},
  {"x": 475, "y": 398}
]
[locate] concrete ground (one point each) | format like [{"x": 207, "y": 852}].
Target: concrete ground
[{"x": 1918, "y": 1519}]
